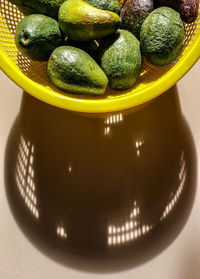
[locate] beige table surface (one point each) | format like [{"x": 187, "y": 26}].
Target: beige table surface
[{"x": 19, "y": 259}]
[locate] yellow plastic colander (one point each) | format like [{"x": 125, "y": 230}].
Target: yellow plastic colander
[{"x": 31, "y": 76}]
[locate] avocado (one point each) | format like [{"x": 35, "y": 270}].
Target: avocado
[
  {"x": 109, "y": 5},
  {"x": 37, "y": 36},
  {"x": 73, "y": 70},
  {"x": 90, "y": 46},
  {"x": 133, "y": 14},
  {"x": 25, "y": 10},
  {"x": 17, "y": 2},
  {"x": 46, "y": 7},
  {"x": 82, "y": 22},
  {"x": 162, "y": 36},
  {"x": 120, "y": 59},
  {"x": 188, "y": 9}
]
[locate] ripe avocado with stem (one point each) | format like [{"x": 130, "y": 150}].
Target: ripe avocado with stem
[
  {"x": 37, "y": 36},
  {"x": 81, "y": 21},
  {"x": 73, "y": 70},
  {"x": 109, "y": 5},
  {"x": 162, "y": 36},
  {"x": 120, "y": 59}
]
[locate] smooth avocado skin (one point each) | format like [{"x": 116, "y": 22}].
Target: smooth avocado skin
[
  {"x": 37, "y": 36},
  {"x": 46, "y": 7},
  {"x": 73, "y": 70},
  {"x": 120, "y": 59},
  {"x": 109, "y": 5},
  {"x": 133, "y": 14},
  {"x": 162, "y": 36},
  {"x": 82, "y": 22}
]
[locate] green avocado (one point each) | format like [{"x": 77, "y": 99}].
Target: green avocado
[
  {"x": 37, "y": 36},
  {"x": 82, "y": 22},
  {"x": 109, "y": 5},
  {"x": 120, "y": 59},
  {"x": 73, "y": 70},
  {"x": 46, "y": 7},
  {"x": 162, "y": 36}
]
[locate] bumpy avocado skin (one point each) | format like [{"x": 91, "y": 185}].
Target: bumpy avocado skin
[
  {"x": 120, "y": 59},
  {"x": 37, "y": 36},
  {"x": 74, "y": 71},
  {"x": 162, "y": 36},
  {"x": 81, "y": 21},
  {"x": 133, "y": 14},
  {"x": 109, "y": 5},
  {"x": 46, "y": 7}
]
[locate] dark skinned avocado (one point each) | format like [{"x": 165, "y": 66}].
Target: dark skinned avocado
[
  {"x": 162, "y": 36},
  {"x": 109, "y": 5},
  {"x": 37, "y": 36},
  {"x": 188, "y": 9},
  {"x": 82, "y": 22},
  {"x": 73, "y": 70},
  {"x": 133, "y": 14},
  {"x": 120, "y": 59}
]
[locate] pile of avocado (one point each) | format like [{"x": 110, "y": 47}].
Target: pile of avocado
[{"x": 92, "y": 44}]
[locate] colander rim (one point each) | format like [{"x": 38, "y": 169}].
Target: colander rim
[{"x": 116, "y": 103}]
